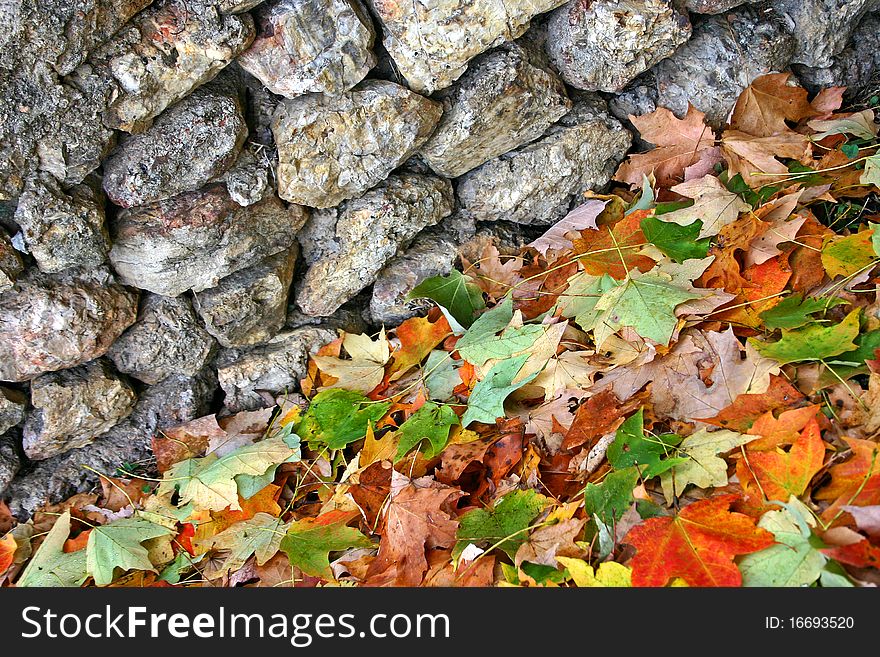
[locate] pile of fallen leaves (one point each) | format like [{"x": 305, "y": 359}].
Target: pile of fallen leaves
[{"x": 677, "y": 384}]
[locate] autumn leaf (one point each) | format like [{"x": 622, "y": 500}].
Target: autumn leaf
[
  {"x": 767, "y": 103},
  {"x": 365, "y": 370},
  {"x": 678, "y": 242},
  {"x": 492, "y": 276},
  {"x": 594, "y": 418},
  {"x": 481, "y": 344},
  {"x": 861, "y": 554},
  {"x": 260, "y": 536},
  {"x": 856, "y": 481},
  {"x": 581, "y": 218},
  {"x": 812, "y": 342},
  {"x": 8, "y": 547},
  {"x": 754, "y": 158},
  {"x": 336, "y": 418},
  {"x": 614, "y": 249},
  {"x": 714, "y": 205},
  {"x": 418, "y": 336},
  {"x": 455, "y": 292},
  {"x": 502, "y": 525},
  {"x": 848, "y": 255},
  {"x": 428, "y": 426},
  {"x": 118, "y": 544},
  {"x": 610, "y": 499},
  {"x": 680, "y": 143},
  {"x": 50, "y": 565},
  {"x": 486, "y": 402},
  {"x": 796, "y": 311},
  {"x": 309, "y": 542},
  {"x": 742, "y": 412},
  {"x": 698, "y": 545},
  {"x": 419, "y": 516},
  {"x": 607, "y": 574},
  {"x": 631, "y": 447}
]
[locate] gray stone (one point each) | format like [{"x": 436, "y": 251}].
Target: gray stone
[
  {"x": 856, "y": 68},
  {"x": 163, "y": 54},
  {"x": 333, "y": 148},
  {"x": 346, "y": 247},
  {"x": 713, "y": 6},
  {"x": 249, "y": 306},
  {"x": 432, "y": 42},
  {"x": 260, "y": 111},
  {"x": 12, "y": 408},
  {"x": 536, "y": 184},
  {"x": 10, "y": 461},
  {"x": 166, "y": 340},
  {"x": 822, "y": 27},
  {"x": 63, "y": 229},
  {"x": 247, "y": 182},
  {"x": 51, "y": 322},
  {"x": 174, "y": 401},
  {"x": 62, "y": 32},
  {"x": 196, "y": 140},
  {"x": 603, "y": 45},
  {"x": 252, "y": 377},
  {"x": 46, "y": 125},
  {"x": 10, "y": 263},
  {"x": 311, "y": 46},
  {"x": 432, "y": 253},
  {"x": 725, "y": 53},
  {"x": 349, "y": 318},
  {"x": 73, "y": 407},
  {"x": 504, "y": 100},
  {"x": 191, "y": 241}
]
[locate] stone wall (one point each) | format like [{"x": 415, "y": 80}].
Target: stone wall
[{"x": 195, "y": 195}]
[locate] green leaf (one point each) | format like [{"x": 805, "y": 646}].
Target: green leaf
[
  {"x": 260, "y": 536},
  {"x": 51, "y": 566},
  {"x": 431, "y": 422},
  {"x": 646, "y": 303},
  {"x": 875, "y": 237},
  {"x": 481, "y": 344},
  {"x": 850, "y": 149},
  {"x": 441, "y": 375},
  {"x": 542, "y": 573},
  {"x": 213, "y": 483},
  {"x": 703, "y": 467},
  {"x": 486, "y": 403},
  {"x": 793, "y": 561},
  {"x": 583, "y": 293},
  {"x": 309, "y": 542},
  {"x": 813, "y": 342},
  {"x": 118, "y": 545},
  {"x": 507, "y": 520},
  {"x": 338, "y": 417},
  {"x": 846, "y": 255},
  {"x": 632, "y": 447},
  {"x": 871, "y": 174},
  {"x": 456, "y": 292},
  {"x": 610, "y": 499},
  {"x": 866, "y": 343},
  {"x": 678, "y": 242},
  {"x": 794, "y": 311}
]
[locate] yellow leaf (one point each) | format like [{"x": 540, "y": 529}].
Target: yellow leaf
[
  {"x": 365, "y": 370},
  {"x": 610, "y": 573}
]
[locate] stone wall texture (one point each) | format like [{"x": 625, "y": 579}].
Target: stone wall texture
[{"x": 196, "y": 195}]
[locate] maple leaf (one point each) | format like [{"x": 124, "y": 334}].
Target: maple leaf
[
  {"x": 214, "y": 483},
  {"x": 430, "y": 423},
  {"x": 545, "y": 543},
  {"x": 856, "y": 481},
  {"x": 607, "y": 574},
  {"x": 741, "y": 414},
  {"x": 610, "y": 499},
  {"x": 701, "y": 464},
  {"x": 418, "y": 336},
  {"x": 776, "y": 474},
  {"x": 859, "y": 124},
  {"x": 336, "y": 418},
  {"x": 441, "y": 375},
  {"x": 503, "y": 525},
  {"x": 698, "y": 545},
  {"x": 678, "y": 242},
  {"x": 861, "y": 554},
  {"x": 486, "y": 402},
  {"x": 419, "y": 516},
  {"x": 714, "y": 205},
  {"x": 813, "y": 342},
  {"x": 613, "y": 249},
  {"x": 848, "y": 255},
  {"x": 50, "y": 565},
  {"x": 765, "y": 105},
  {"x": 681, "y": 143},
  {"x": 259, "y": 536},
  {"x": 309, "y": 542},
  {"x": 481, "y": 344},
  {"x": 494, "y": 277},
  {"x": 581, "y": 218},
  {"x": 793, "y": 561},
  {"x": 594, "y": 418},
  {"x": 118, "y": 544},
  {"x": 795, "y": 311},
  {"x": 631, "y": 447},
  {"x": 766, "y": 246},
  {"x": 8, "y": 547},
  {"x": 456, "y": 293},
  {"x": 570, "y": 369},
  {"x": 754, "y": 157},
  {"x": 365, "y": 370}
]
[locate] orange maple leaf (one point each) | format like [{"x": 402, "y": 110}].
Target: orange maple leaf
[
  {"x": 418, "y": 336},
  {"x": 747, "y": 408},
  {"x": 7, "y": 552},
  {"x": 767, "y": 103},
  {"x": 680, "y": 143},
  {"x": 861, "y": 554},
  {"x": 856, "y": 481},
  {"x": 698, "y": 545},
  {"x": 613, "y": 250},
  {"x": 774, "y": 474}
]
